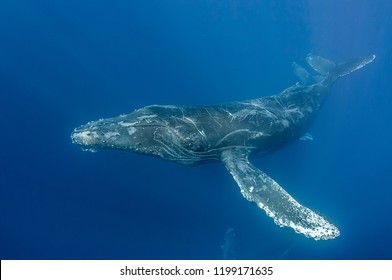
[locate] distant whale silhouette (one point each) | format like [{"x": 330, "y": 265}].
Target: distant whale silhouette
[{"x": 231, "y": 133}]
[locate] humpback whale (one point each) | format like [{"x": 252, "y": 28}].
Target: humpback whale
[{"x": 232, "y": 133}]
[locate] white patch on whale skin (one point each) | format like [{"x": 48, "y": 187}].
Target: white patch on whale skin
[
  {"x": 285, "y": 123},
  {"x": 127, "y": 124},
  {"x": 146, "y": 117},
  {"x": 306, "y": 136},
  {"x": 111, "y": 134},
  {"x": 85, "y": 137},
  {"x": 258, "y": 134},
  {"x": 89, "y": 150},
  {"x": 131, "y": 130}
]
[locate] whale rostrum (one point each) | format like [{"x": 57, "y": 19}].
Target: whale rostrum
[{"x": 232, "y": 133}]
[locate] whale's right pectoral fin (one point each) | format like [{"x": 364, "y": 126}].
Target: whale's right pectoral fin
[{"x": 258, "y": 187}]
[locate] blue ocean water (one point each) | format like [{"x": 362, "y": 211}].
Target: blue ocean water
[{"x": 64, "y": 64}]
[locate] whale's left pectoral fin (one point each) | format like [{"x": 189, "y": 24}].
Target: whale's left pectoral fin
[{"x": 258, "y": 187}]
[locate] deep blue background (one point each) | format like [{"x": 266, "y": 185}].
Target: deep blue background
[{"x": 63, "y": 64}]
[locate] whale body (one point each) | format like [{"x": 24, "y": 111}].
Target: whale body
[{"x": 232, "y": 133}]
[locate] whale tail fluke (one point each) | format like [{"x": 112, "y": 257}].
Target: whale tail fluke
[
  {"x": 327, "y": 68},
  {"x": 321, "y": 65},
  {"x": 353, "y": 65}
]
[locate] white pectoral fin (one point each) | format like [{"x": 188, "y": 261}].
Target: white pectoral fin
[{"x": 258, "y": 187}]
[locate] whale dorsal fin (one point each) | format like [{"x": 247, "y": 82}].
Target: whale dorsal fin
[{"x": 258, "y": 187}]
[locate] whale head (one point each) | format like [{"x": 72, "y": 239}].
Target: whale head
[
  {"x": 148, "y": 130},
  {"x": 132, "y": 132}
]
